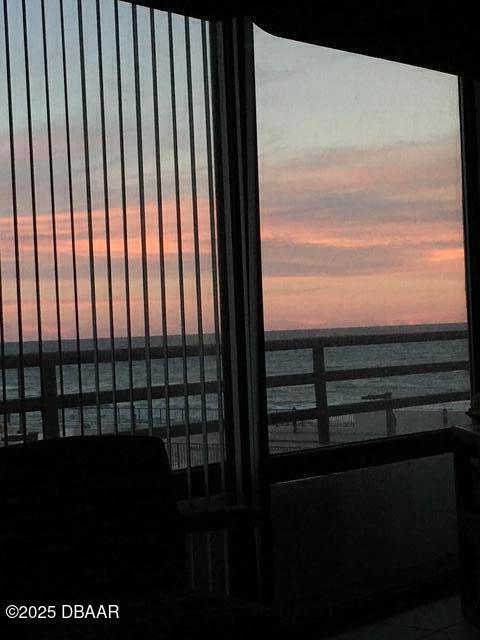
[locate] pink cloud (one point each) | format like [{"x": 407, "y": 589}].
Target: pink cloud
[
  {"x": 363, "y": 237},
  {"x": 349, "y": 237}
]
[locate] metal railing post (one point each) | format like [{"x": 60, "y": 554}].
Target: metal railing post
[
  {"x": 321, "y": 403},
  {"x": 48, "y": 377},
  {"x": 445, "y": 417},
  {"x": 390, "y": 417}
]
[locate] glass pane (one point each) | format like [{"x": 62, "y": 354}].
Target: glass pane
[{"x": 362, "y": 245}]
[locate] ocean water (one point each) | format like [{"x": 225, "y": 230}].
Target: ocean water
[{"x": 277, "y": 363}]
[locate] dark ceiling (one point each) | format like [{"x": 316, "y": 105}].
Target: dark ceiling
[{"x": 436, "y": 35}]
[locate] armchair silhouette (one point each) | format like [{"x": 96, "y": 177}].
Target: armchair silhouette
[{"x": 94, "y": 520}]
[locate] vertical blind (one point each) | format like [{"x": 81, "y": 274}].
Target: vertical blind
[{"x": 109, "y": 308}]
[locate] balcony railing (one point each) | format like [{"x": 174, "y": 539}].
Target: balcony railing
[
  {"x": 170, "y": 423},
  {"x": 323, "y": 412}
]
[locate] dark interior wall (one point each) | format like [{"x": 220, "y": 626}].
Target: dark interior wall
[
  {"x": 425, "y": 33},
  {"x": 354, "y": 535}
]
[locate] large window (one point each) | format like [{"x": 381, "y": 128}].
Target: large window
[
  {"x": 107, "y": 226},
  {"x": 362, "y": 245}
]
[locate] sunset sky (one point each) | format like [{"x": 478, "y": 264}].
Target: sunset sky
[
  {"x": 360, "y": 189},
  {"x": 359, "y": 174},
  {"x": 62, "y": 217}
]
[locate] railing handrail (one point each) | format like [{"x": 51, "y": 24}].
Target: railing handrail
[
  {"x": 340, "y": 340},
  {"x": 87, "y": 356}
]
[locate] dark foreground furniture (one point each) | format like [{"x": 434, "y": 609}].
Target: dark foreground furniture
[{"x": 94, "y": 520}]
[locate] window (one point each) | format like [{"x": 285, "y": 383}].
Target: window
[
  {"x": 362, "y": 245},
  {"x": 108, "y": 253}
]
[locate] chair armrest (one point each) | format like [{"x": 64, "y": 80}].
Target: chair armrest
[{"x": 221, "y": 518}]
